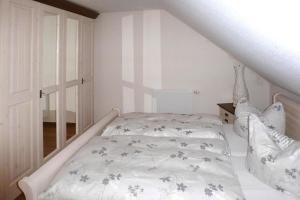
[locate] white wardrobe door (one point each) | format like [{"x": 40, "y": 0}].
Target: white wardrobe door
[
  {"x": 86, "y": 93},
  {"x": 2, "y": 101},
  {"x": 19, "y": 93}
]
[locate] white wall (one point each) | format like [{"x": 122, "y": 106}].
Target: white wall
[
  {"x": 157, "y": 51},
  {"x": 192, "y": 61}
]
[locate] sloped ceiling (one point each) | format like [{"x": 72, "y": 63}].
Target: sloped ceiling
[{"x": 263, "y": 34}]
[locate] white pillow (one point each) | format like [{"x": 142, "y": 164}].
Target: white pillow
[
  {"x": 273, "y": 116},
  {"x": 273, "y": 158},
  {"x": 237, "y": 144},
  {"x": 242, "y": 111}
]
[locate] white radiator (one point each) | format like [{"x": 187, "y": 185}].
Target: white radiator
[{"x": 175, "y": 101}]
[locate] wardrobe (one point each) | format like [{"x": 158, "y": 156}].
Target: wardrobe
[{"x": 46, "y": 86}]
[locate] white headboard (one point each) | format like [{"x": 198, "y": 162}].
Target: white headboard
[{"x": 292, "y": 109}]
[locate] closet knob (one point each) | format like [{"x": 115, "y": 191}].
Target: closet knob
[{"x": 42, "y": 93}]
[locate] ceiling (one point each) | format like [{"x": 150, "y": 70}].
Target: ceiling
[
  {"x": 119, "y": 5},
  {"x": 263, "y": 34}
]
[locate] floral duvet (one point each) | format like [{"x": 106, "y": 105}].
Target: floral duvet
[
  {"x": 171, "y": 125},
  {"x": 147, "y": 168}
]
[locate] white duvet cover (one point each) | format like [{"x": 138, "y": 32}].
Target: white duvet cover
[
  {"x": 147, "y": 168},
  {"x": 171, "y": 125}
]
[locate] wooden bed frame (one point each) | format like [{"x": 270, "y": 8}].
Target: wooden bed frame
[{"x": 39, "y": 181}]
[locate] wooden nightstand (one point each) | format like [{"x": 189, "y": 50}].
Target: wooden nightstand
[{"x": 227, "y": 112}]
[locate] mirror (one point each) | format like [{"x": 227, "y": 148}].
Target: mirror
[
  {"x": 71, "y": 112},
  {"x": 72, "y": 50},
  {"x": 49, "y": 107}
]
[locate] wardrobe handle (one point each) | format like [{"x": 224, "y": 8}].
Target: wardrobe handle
[
  {"x": 82, "y": 81},
  {"x": 41, "y": 94}
]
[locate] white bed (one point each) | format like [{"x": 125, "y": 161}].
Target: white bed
[
  {"x": 151, "y": 156},
  {"x": 253, "y": 189}
]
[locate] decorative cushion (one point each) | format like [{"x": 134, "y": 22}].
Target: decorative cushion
[
  {"x": 242, "y": 111},
  {"x": 273, "y": 116},
  {"x": 273, "y": 158}
]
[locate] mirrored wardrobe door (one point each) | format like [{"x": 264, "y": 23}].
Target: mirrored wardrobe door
[
  {"x": 71, "y": 77},
  {"x": 71, "y": 114},
  {"x": 50, "y": 82}
]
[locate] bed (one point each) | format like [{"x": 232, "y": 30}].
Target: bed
[{"x": 190, "y": 135}]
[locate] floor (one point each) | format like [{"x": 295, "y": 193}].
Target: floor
[
  {"x": 49, "y": 137},
  {"x": 21, "y": 197}
]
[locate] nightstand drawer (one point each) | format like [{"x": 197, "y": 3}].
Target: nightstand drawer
[{"x": 226, "y": 117}]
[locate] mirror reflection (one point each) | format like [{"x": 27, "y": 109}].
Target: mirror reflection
[
  {"x": 49, "y": 123},
  {"x": 71, "y": 112}
]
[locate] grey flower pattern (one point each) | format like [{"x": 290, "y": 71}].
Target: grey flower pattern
[
  {"x": 105, "y": 181},
  {"x": 108, "y": 162},
  {"x": 292, "y": 173},
  {"x": 134, "y": 142},
  {"x": 84, "y": 178},
  {"x": 180, "y": 155},
  {"x": 126, "y": 130},
  {"x": 73, "y": 172},
  {"x": 205, "y": 145},
  {"x": 118, "y": 127},
  {"x": 125, "y": 154},
  {"x": 135, "y": 190},
  {"x": 151, "y": 146},
  {"x": 111, "y": 177},
  {"x": 181, "y": 187},
  {"x": 101, "y": 152},
  {"x": 166, "y": 179},
  {"x": 263, "y": 160},
  {"x": 209, "y": 191},
  {"x": 115, "y": 177},
  {"x": 195, "y": 167},
  {"x": 218, "y": 159},
  {"x": 277, "y": 107},
  {"x": 183, "y": 144},
  {"x": 271, "y": 127},
  {"x": 279, "y": 188},
  {"x": 188, "y": 132},
  {"x": 268, "y": 158},
  {"x": 161, "y": 128},
  {"x": 207, "y": 159},
  {"x": 137, "y": 151}
]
